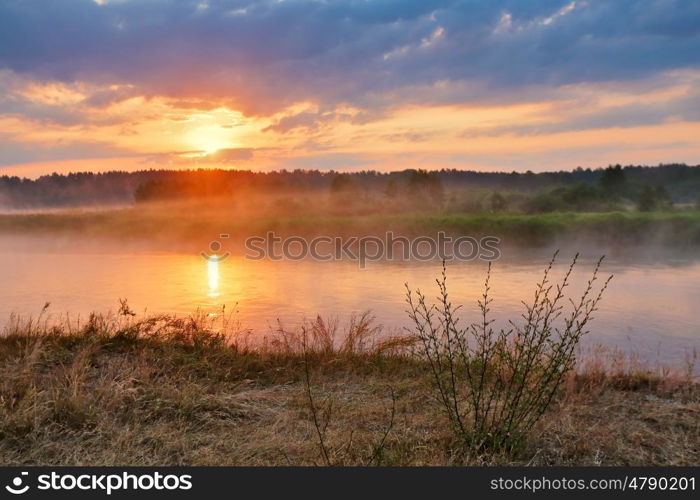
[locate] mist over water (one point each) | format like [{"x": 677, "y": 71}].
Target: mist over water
[{"x": 650, "y": 307}]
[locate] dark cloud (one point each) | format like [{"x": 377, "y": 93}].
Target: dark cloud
[{"x": 263, "y": 55}]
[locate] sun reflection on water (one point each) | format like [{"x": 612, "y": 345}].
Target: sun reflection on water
[{"x": 213, "y": 275}]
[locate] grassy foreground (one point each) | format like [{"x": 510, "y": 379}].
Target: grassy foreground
[{"x": 163, "y": 390}]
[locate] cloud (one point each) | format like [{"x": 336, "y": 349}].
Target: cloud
[
  {"x": 265, "y": 55},
  {"x": 683, "y": 108},
  {"x": 347, "y": 83},
  {"x": 305, "y": 119},
  {"x": 14, "y": 152},
  {"x": 332, "y": 161},
  {"x": 229, "y": 156},
  {"x": 312, "y": 120}
]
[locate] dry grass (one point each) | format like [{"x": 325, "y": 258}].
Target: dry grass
[{"x": 162, "y": 390}]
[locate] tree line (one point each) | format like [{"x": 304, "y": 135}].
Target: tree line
[{"x": 581, "y": 188}]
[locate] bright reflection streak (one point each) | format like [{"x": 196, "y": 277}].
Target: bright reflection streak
[{"x": 213, "y": 274}]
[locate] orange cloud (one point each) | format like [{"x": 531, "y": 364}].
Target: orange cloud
[{"x": 597, "y": 123}]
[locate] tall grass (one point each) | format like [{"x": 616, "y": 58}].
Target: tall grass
[
  {"x": 495, "y": 385},
  {"x": 322, "y": 415}
]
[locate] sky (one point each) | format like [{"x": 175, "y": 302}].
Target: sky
[{"x": 94, "y": 85}]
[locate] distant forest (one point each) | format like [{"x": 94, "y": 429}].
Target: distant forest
[{"x": 580, "y": 189}]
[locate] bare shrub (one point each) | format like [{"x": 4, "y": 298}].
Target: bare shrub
[{"x": 494, "y": 385}]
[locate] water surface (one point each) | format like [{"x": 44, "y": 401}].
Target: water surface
[{"x": 652, "y": 307}]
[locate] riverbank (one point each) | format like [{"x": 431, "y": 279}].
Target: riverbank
[
  {"x": 181, "y": 224},
  {"x": 186, "y": 221},
  {"x": 170, "y": 391}
]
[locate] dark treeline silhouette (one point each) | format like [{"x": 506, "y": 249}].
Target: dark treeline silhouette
[{"x": 545, "y": 191}]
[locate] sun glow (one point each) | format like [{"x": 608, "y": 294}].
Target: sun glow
[{"x": 210, "y": 138}]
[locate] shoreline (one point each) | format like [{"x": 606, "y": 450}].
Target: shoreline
[{"x": 179, "y": 225}]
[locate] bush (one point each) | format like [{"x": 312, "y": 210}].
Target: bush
[
  {"x": 498, "y": 202},
  {"x": 494, "y": 386},
  {"x": 576, "y": 198},
  {"x": 651, "y": 198}
]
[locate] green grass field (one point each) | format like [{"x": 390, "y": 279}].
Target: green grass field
[{"x": 182, "y": 223}]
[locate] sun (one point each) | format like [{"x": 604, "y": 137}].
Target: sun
[{"x": 208, "y": 139}]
